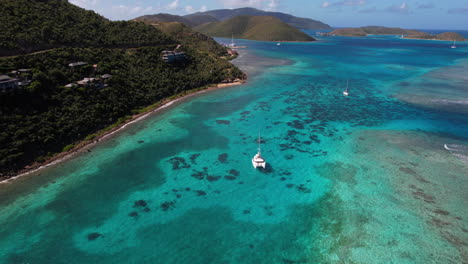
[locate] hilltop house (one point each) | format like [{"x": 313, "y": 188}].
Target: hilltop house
[
  {"x": 172, "y": 56},
  {"x": 7, "y": 84}
]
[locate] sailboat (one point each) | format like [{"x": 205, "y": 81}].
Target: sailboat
[
  {"x": 453, "y": 46},
  {"x": 345, "y": 92},
  {"x": 232, "y": 42},
  {"x": 258, "y": 161}
]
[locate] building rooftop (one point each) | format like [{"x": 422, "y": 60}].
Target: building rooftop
[
  {"x": 4, "y": 77},
  {"x": 80, "y": 63}
]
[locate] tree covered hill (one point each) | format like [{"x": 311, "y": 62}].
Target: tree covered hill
[
  {"x": 188, "y": 37},
  {"x": 297, "y": 22},
  {"x": 200, "y": 18},
  {"x": 30, "y": 25},
  {"x": 263, "y": 28},
  {"x": 48, "y": 115}
]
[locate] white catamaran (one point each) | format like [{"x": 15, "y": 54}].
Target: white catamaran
[
  {"x": 346, "y": 92},
  {"x": 258, "y": 160}
]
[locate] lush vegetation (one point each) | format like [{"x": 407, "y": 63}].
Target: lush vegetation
[
  {"x": 297, "y": 22},
  {"x": 265, "y": 28},
  {"x": 187, "y": 37},
  {"x": 31, "y": 25},
  {"x": 191, "y": 21},
  {"x": 201, "y": 18},
  {"x": 45, "y": 117}
]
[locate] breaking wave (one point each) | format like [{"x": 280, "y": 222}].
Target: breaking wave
[{"x": 459, "y": 151}]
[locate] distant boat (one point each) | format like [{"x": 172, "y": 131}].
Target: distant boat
[
  {"x": 346, "y": 91},
  {"x": 232, "y": 42},
  {"x": 258, "y": 161},
  {"x": 278, "y": 44},
  {"x": 453, "y": 46}
]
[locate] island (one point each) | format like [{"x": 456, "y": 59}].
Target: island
[
  {"x": 261, "y": 28},
  {"x": 68, "y": 80},
  {"x": 199, "y": 18},
  {"x": 406, "y": 33}
]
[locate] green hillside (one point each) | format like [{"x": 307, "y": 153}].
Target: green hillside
[
  {"x": 263, "y": 28},
  {"x": 297, "y": 22},
  {"x": 187, "y": 37},
  {"x": 191, "y": 21},
  {"x": 48, "y": 116},
  {"x": 30, "y": 25},
  {"x": 374, "y": 30}
]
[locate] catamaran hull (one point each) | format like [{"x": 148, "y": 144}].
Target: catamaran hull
[{"x": 258, "y": 164}]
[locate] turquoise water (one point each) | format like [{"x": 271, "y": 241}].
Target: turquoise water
[{"x": 358, "y": 179}]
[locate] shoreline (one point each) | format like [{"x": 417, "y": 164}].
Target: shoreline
[{"x": 85, "y": 145}]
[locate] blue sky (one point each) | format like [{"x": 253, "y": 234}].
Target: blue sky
[{"x": 420, "y": 14}]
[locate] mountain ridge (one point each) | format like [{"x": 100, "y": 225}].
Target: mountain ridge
[
  {"x": 262, "y": 28},
  {"x": 200, "y": 18}
]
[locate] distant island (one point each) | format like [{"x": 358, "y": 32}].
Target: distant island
[
  {"x": 220, "y": 15},
  {"x": 406, "y": 33},
  {"x": 262, "y": 28}
]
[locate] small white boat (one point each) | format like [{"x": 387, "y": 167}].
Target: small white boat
[
  {"x": 258, "y": 161},
  {"x": 278, "y": 44},
  {"x": 232, "y": 45},
  {"x": 453, "y": 46},
  {"x": 346, "y": 92}
]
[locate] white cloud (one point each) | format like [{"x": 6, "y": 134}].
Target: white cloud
[
  {"x": 84, "y": 3},
  {"x": 203, "y": 8},
  {"x": 123, "y": 12},
  {"x": 268, "y": 5},
  {"x": 272, "y": 5},
  {"x": 403, "y": 8},
  {"x": 173, "y": 5},
  {"x": 326, "y": 4},
  {"x": 344, "y": 3},
  {"x": 189, "y": 9}
]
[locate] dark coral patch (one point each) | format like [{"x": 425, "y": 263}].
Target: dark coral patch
[
  {"x": 94, "y": 236},
  {"x": 200, "y": 175},
  {"x": 223, "y": 122},
  {"x": 223, "y": 158},
  {"x": 140, "y": 203},
  {"x": 303, "y": 189},
  {"x": 169, "y": 205},
  {"x": 230, "y": 178},
  {"x": 213, "y": 178},
  {"x": 193, "y": 158},
  {"x": 178, "y": 163},
  {"x": 141, "y": 141},
  {"x": 133, "y": 214},
  {"x": 290, "y": 185},
  {"x": 146, "y": 210},
  {"x": 296, "y": 124},
  {"x": 234, "y": 172},
  {"x": 200, "y": 193}
]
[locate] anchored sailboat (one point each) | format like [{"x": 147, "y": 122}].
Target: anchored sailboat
[
  {"x": 453, "y": 46},
  {"x": 258, "y": 160},
  {"x": 345, "y": 92},
  {"x": 232, "y": 42}
]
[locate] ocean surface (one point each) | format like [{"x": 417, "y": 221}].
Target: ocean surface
[{"x": 379, "y": 176}]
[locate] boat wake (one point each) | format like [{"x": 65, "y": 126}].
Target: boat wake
[{"x": 459, "y": 151}]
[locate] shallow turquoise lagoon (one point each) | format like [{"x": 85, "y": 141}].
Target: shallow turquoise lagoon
[{"x": 376, "y": 177}]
